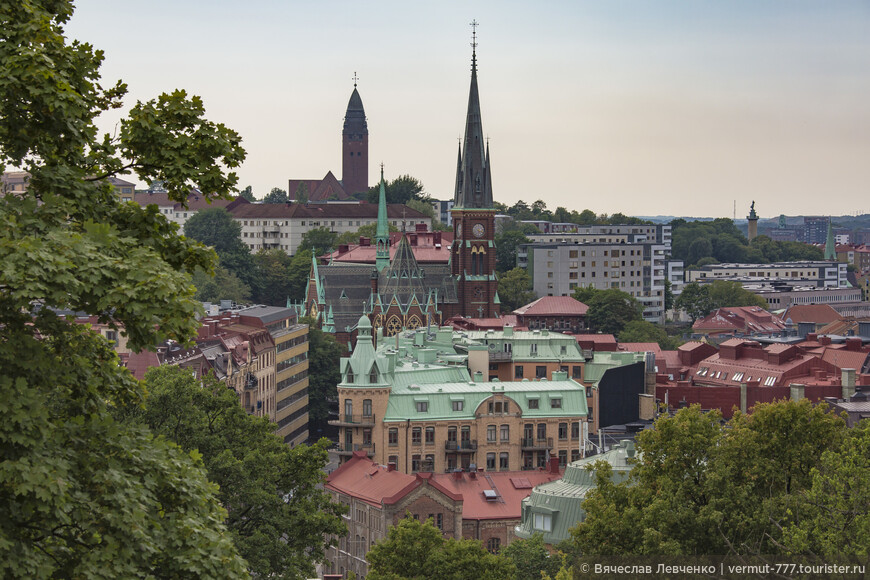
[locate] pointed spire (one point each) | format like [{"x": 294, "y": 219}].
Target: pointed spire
[
  {"x": 382, "y": 234},
  {"x": 830, "y": 246},
  {"x": 472, "y": 186}
]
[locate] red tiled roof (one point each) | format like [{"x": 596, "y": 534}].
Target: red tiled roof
[
  {"x": 641, "y": 347},
  {"x": 739, "y": 319},
  {"x": 845, "y": 359},
  {"x": 553, "y": 306},
  {"x": 508, "y": 506},
  {"x": 367, "y": 481},
  {"x": 395, "y": 211},
  {"x": 425, "y": 251},
  {"x": 195, "y": 201},
  {"x": 818, "y": 313}
]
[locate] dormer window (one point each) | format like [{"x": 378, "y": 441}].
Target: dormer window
[
  {"x": 373, "y": 376},
  {"x": 350, "y": 378}
]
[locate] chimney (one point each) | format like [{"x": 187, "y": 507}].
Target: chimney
[
  {"x": 797, "y": 391},
  {"x": 420, "y": 228},
  {"x": 436, "y": 237},
  {"x": 825, "y": 340},
  {"x": 629, "y": 448},
  {"x": 553, "y": 465},
  {"x": 457, "y": 474},
  {"x": 413, "y": 239},
  {"x": 364, "y": 241},
  {"x": 853, "y": 344},
  {"x": 342, "y": 248},
  {"x": 812, "y": 336},
  {"x": 848, "y": 381},
  {"x": 391, "y": 466}
]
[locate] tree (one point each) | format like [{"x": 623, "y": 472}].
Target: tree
[
  {"x": 297, "y": 275},
  {"x": 320, "y": 240},
  {"x": 324, "y": 355},
  {"x": 278, "y": 515},
  {"x": 643, "y": 331},
  {"x": 224, "y": 285},
  {"x": 277, "y": 195},
  {"x": 416, "y": 550},
  {"x": 701, "y": 486},
  {"x": 272, "y": 275},
  {"x": 400, "y": 190},
  {"x": 302, "y": 193},
  {"x": 368, "y": 231},
  {"x": 610, "y": 310},
  {"x": 215, "y": 227},
  {"x": 82, "y": 494},
  {"x": 695, "y": 301},
  {"x": 507, "y": 244},
  {"x": 423, "y": 207},
  {"x": 727, "y": 293},
  {"x": 248, "y": 193},
  {"x": 669, "y": 295},
  {"x": 515, "y": 289},
  {"x": 531, "y": 558}
]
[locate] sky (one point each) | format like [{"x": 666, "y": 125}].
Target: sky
[{"x": 685, "y": 108}]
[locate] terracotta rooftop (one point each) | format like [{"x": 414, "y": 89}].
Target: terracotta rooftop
[
  {"x": 817, "y": 313},
  {"x": 511, "y": 487},
  {"x": 426, "y": 246},
  {"x": 745, "y": 319},
  {"x": 195, "y": 201},
  {"x": 553, "y": 306},
  {"x": 395, "y": 211}
]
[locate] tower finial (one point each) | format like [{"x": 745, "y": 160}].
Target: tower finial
[
  {"x": 355, "y": 79},
  {"x": 474, "y": 24}
]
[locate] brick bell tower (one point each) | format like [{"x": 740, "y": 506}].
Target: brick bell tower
[
  {"x": 355, "y": 146},
  {"x": 473, "y": 259}
]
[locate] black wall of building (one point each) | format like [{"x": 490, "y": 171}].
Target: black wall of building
[{"x": 618, "y": 393}]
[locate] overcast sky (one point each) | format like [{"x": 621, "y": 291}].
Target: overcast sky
[{"x": 645, "y": 108}]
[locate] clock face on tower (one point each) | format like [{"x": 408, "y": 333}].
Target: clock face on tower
[{"x": 478, "y": 230}]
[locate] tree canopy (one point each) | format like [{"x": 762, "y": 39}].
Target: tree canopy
[
  {"x": 507, "y": 244},
  {"x": 267, "y": 488},
  {"x": 400, "y": 190},
  {"x": 248, "y": 194},
  {"x": 609, "y": 310},
  {"x": 698, "y": 300},
  {"x": 515, "y": 289},
  {"x": 416, "y": 550},
  {"x": 277, "y": 195},
  {"x": 215, "y": 227},
  {"x": 320, "y": 240},
  {"x": 747, "y": 486},
  {"x": 324, "y": 355},
  {"x": 85, "y": 495}
]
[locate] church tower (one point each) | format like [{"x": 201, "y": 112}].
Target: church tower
[
  {"x": 473, "y": 258},
  {"x": 355, "y": 146}
]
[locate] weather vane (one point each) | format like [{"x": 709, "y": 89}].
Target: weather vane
[{"x": 355, "y": 79}]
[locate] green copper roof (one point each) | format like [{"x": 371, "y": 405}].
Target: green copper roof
[
  {"x": 539, "y": 345},
  {"x": 382, "y": 234},
  {"x": 830, "y": 246},
  {"x": 602, "y": 361},
  {"x": 557, "y": 504}
]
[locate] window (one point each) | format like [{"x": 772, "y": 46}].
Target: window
[
  {"x": 540, "y": 372},
  {"x": 430, "y": 435},
  {"x": 555, "y": 403},
  {"x": 348, "y": 409},
  {"x": 543, "y": 522},
  {"x": 575, "y": 430},
  {"x": 492, "y": 545},
  {"x": 588, "y": 392},
  {"x": 563, "y": 458},
  {"x": 367, "y": 436},
  {"x": 415, "y": 462},
  {"x": 416, "y": 435},
  {"x": 490, "y": 433},
  {"x": 393, "y": 436},
  {"x": 518, "y": 372},
  {"x": 503, "y": 461},
  {"x": 505, "y": 433},
  {"x": 393, "y": 460},
  {"x": 349, "y": 379},
  {"x": 373, "y": 376},
  {"x": 737, "y": 377},
  {"x": 439, "y": 521},
  {"x": 490, "y": 461},
  {"x": 542, "y": 430},
  {"x": 458, "y": 405},
  {"x": 112, "y": 335},
  {"x": 533, "y": 348},
  {"x": 367, "y": 407},
  {"x": 422, "y": 406},
  {"x": 576, "y": 372},
  {"x": 563, "y": 431},
  {"x": 451, "y": 434},
  {"x": 533, "y": 403}
]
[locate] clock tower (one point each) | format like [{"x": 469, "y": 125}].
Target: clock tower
[{"x": 473, "y": 254}]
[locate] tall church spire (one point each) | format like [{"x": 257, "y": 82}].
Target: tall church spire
[
  {"x": 355, "y": 146},
  {"x": 830, "y": 246},
  {"x": 473, "y": 189},
  {"x": 382, "y": 234}
]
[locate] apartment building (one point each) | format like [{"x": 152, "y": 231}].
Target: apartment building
[{"x": 817, "y": 273}]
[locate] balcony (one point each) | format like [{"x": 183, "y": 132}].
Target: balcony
[
  {"x": 539, "y": 444},
  {"x": 354, "y": 421},
  {"x": 500, "y": 356},
  {"x": 460, "y": 446},
  {"x": 345, "y": 450}
]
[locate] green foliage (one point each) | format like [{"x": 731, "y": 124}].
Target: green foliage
[
  {"x": 320, "y": 240},
  {"x": 609, "y": 310},
  {"x": 297, "y": 275},
  {"x": 324, "y": 354},
  {"x": 302, "y": 193},
  {"x": 215, "y": 227},
  {"x": 507, "y": 244},
  {"x": 267, "y": 488},
  {"x": 698, "y": 300},
  {"x": 515, "y": 289},
  {"x": 83, "y": 495},
  {"x": 277, "y": 195},
  {"x": 704, "y": 487},
  {"x": 643, "y": 331},
  {"x": 224, "y": 285},
  {"x": 531, "y": 558},
  {"x": 423, "y": 207},
  {"x": 368, "y": 231},
  {"x": 669, "y": 295},
  {"x": 413, "y": 550},
  {"x": 272, "y": 275},
  {"x": 400, "y": 190}
]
